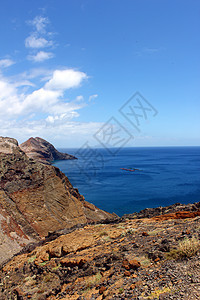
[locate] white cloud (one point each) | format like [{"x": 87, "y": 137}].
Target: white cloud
[
  {"x": 42, "y": 73},
  {"x": 79, "y": 98},
  {"x": 39, "y": 39},
  {"x": 48, "y": 99},
  {"x": 40, "y": 23},
  {"x": 60, "y": 132},
  {"x": 4, "y": 63},
  {"x": 92, "y": 97},
  {"x": 65, "y": 79},
  {"x": 33, "y": 41},
  {"x": 41, "y": 56}
]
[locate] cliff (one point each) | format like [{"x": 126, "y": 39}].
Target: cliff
[
  {"x": 42, "y": 151},
  {"x": 36, "y": 199}
]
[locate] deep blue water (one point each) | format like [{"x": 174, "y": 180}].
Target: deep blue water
[{"x": 168, "y": 175}]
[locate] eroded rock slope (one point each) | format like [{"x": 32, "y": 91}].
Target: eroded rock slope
[{"x": 35, "y": 199}]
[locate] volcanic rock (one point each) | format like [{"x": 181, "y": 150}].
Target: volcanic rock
[
  {"x": 42, "y": 151},
  {"x": 98, "y": 261},
  {"x": 36, "y": 199}
]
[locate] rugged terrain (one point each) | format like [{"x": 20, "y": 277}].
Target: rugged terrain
[
  {"x": 36, "y": 199},
  {"x": 42, "y": 151},
  {"x": 129, "y": 258},
  {"x": 66, "y": 248}
]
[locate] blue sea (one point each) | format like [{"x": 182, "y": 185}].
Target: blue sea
[{"x": 166, "y": 175}]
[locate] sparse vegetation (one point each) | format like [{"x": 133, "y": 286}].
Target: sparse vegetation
[
  {"x": 128, "y": 231},
  {"x": 103, "y": 233},
  {"x": 156, "y": 294},
  {"x": 32, "y": 259},
  {"x": 43, "y": 263},
  {"x": 186, "y": 248},
  {"x": 57, "y": 267},
  {"x": 145, "y": 261},
  {"x": 94, "y": 280},
  {"x": 155, "y": 232},
  {"x": 131, "y": 230}
]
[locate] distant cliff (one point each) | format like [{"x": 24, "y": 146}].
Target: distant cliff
[
  {"x": 41, "y": 150},
  {"x": 36, "y": 199}
]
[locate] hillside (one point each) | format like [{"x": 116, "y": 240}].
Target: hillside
[
  {"x": 42, "y": 151},
  {"x": 36, "y": 199},
  {"x": 131, "y": 258}
]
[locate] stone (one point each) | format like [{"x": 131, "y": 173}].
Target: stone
[
  {"x": 102, "y": 289},
  {"x": 134, "y": 264},
  {"x": 127, "y": 273},
  {"x": 145, "y": 233}
]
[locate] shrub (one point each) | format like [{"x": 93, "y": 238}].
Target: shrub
[{"x": 186, "y": 248}]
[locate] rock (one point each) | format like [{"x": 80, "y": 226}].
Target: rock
[
  {"x": 125, "y": 264},
  {"x": 132, "y": 286},
  {"x": 42, "y": 151},
  {"x": 127, "y": 273},
  {"x": 178, "y": 215},
  {"x": 78, "y": 261},
  {"x": 7, "y": 145},
  {"x": 160, "y": 211},
  {"x": 134, "y": 264},
  {"x": 144, "y": 233},
  {"x": 36, "y": 199},
  {"x": 102, "y": 289},
  {"x": 164, "y": 296}
]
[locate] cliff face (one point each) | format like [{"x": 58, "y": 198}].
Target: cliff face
[
  {"x": 36, "y": 199},
  {"x": 41, "y": 150}
]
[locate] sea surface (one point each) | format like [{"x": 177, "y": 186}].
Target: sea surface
[{"x": 166, "y": 175}]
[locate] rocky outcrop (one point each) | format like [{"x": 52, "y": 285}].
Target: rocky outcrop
[
  {"x": 42, "y": 151},
  {"x": 7, "y": 144},
  {"x": 171, "y": 209},
  {"x": 130, "y": 259},
  {"x": 36, "y": 199}
]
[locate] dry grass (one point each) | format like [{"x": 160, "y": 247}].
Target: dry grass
[{"x": 186, "y": 248}]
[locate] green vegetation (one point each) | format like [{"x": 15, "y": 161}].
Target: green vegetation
[
  {"x": 56, "y": 268},
  {"x": 121, "y": 290},
  {"x": 32, "y": 259}
]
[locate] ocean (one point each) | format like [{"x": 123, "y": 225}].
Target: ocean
[{"x": 166, "y": 175}]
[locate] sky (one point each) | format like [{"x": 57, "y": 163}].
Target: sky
[{"x": 108, "y": 73}]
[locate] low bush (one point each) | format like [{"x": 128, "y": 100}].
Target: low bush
[{"x": 185, "y": 248}]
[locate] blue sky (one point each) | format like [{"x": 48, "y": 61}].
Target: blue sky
[{"x": 67, "y": 67}]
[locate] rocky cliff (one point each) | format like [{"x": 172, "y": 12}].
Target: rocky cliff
[
  {"x": 42, "y": 151},
  {"x": 35, "y": 199}
]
